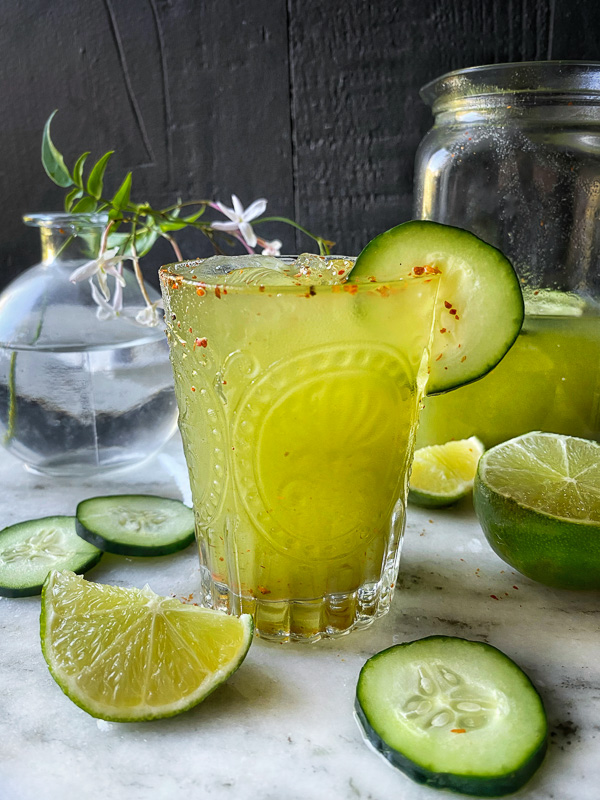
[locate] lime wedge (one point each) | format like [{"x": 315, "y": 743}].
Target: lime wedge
[
  {"x": 480, "y": 304},
  {"x": 443, "y": 473},
  {"x": 537, "y": 498},
  {"x": 128, "y": 654}
]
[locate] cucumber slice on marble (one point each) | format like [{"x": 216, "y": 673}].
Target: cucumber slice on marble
[
  {"x": 453, "y": 714},
  {"x": 480, "y": 305},
  {"x": 135, "y": 524},
  {"x": 30, "y": 550}
]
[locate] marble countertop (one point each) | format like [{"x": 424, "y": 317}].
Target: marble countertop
[{"x": 282, "y": 727}]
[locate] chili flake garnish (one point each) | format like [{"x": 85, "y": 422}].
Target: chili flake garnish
[
  {"x": 427, "y": 269},
  {"x": 200, "y": 292},
  {"x": 264, "y": 590},
  {"x": 440, "y": 355},
  {"x": 351, "y": 288},
  {"x": 458, "y": 730},
  {"x": 217, "y": 292},
  {"x": 442, "y": 330},
  {"x": 447, "y": 304},
  {"x": 452, "y": 311},
  {"x": 203, "y": 342},
  {"x": 464, "y": 358}
]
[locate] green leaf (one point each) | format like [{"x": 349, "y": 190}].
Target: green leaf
[
  {"x": 171, "y": 224},
  {"x": 86, "y": 205},
  {"x": 52, "y": 160},
  {"x": 121, "y": 198},
  {"x": 116, "y": 239},
  {"x": 73, "y": 195},
  {"x": 94, "y": 184},
  {"x": 195, "y": 216},
  {"x": 144, "y": 240},
  {"x": 78, "y": 170}
]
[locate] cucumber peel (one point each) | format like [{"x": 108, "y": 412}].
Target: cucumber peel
[
  {"x": 135, "y": 525},
  {"x": 30, "y": 550},
  {"x": 453, "y": 714},
  {"x": 480, "y": 306}
]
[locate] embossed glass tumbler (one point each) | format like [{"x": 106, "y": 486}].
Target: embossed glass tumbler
[{"x": 298, "y": 412}]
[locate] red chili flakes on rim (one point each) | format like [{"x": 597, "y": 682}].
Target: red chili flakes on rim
[
  {"x": 442, "y": 330},
  {"x": 200, "y": 291},
  {"x": 217, "y": 292},
  {"x": 351, "y": 288},
  {"x": 203, "y": 342},
  {"x": 458, "y": 730},
  {"x": 447, "y": 304},
  {"x": 452, "y": 311}
]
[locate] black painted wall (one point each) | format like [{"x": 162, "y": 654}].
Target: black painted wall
[{"x": 313, "y": 104}]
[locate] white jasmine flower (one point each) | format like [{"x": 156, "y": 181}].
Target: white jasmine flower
[
  {"x": 149, "y": 314},
  {"x": 240, "y": 218},
  {"x": 104, "y": 311},
  {"x": 272, "y": 248},
  {"x": 106, "y": 264}
]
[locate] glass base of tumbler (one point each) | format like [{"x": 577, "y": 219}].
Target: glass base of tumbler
[{"x": 304, "y": 620}]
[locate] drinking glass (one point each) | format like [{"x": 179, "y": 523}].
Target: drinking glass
[{"x": 298, "y": 412}]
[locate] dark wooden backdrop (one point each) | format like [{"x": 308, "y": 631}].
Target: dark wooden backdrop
[{"x": 313, "y": 104}]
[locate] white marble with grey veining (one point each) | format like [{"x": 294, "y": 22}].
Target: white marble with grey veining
[{"x": 282, "y": 728}]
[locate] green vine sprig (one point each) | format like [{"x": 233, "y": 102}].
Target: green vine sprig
[{"x": 133, "y": 228}]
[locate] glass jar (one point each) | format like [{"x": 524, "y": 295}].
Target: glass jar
[
  {"x": 79, "y": 394},
  {"x": 514, "y": 157}
]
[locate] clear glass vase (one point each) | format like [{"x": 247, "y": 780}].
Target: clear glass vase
[{"x": 79, "y": 394}]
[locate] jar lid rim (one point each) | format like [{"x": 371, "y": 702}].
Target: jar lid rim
[
  {"x": 63, "y": 219},
  {"x": 538, "y": 77}
]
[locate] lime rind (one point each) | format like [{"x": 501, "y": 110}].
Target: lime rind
[
  {"x": 444, "y": 474},
  {"x": 514, "y": 506},
  {"x": 113, "y": 651}
]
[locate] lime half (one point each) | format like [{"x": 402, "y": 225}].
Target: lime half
[
  {"x": 443, "y": 473},
  {"x": 537, "y": 498},
  {"x": 480, "y": 305},
  {"x": 128, "y": 654}
]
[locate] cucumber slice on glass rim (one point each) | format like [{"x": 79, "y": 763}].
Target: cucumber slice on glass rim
[
  {"x": 480, "y": 305},
  {"x": 30, "y": 550},
  {"x": 453, "y": 714},
  {"x": 135, "y": 524}
]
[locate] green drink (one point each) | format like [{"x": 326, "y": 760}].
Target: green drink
[
  {"x": 549, "y": 381},
  {"x": 299, "y": 397}
]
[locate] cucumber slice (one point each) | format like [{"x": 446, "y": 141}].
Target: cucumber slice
[
  {"x": 30, "y": 550},
  {"x": 135, "y": 524},
  {"x": 453, "y": 714},
  {"x": 480, "y": 304}
]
